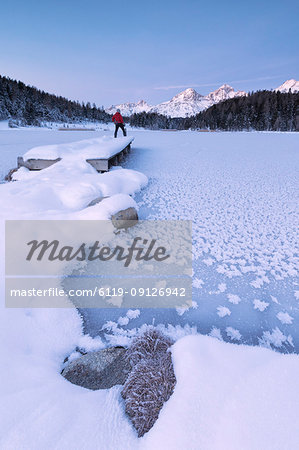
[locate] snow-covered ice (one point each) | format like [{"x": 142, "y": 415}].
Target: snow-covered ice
[
  {"x": 284, "y": 317},
  {"x": 232, "y": 298},
  {"x": 223, "y": 311},
  {"x": 260, "y": 305},
  {"x": 233, "y": 334},
  {"x": 241, "y": 191}
]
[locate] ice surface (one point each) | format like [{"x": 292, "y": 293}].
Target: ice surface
[{"x": 241, "y": 192}]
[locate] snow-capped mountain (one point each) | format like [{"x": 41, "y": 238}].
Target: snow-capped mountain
[
  {"x": 127, "y": 109},
  {"x": 189, "y": 102},
  {"x": 224, "y": 93},
  {"x": 186, "y": 103},
  {"x": 287, "y": 85}
]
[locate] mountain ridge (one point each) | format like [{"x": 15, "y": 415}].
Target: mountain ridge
[
  {"x": 186, "y": 103},
  {"x": 189, "y": 102},
  {"x": 288, "y": 85}
]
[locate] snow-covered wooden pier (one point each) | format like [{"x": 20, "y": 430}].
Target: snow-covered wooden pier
[
  {"x": 36, "y": 164},
  {"x": 104, "y": 164},
  {"x": 100, "y": 153}
]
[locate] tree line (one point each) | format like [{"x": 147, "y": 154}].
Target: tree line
[
  {"x": 260, "y": 111},
  {"x": 27, "y": 105}
]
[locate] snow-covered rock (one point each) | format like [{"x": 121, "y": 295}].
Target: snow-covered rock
[
  {"x": 125, "y": 218},
  {"x": 99, "y": 370},
  {"x": 151, "y": 381},
  {"x": 292, "y": 85}
]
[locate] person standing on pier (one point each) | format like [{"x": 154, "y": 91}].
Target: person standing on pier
[{"x": 119, "y": 123}]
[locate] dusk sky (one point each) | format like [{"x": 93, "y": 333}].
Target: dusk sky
[{"x": 110, "y": 52}]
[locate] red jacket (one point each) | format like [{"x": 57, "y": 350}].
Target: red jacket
[{"x": 117, "y": 118}]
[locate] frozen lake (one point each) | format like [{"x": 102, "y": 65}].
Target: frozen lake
[{"x": 241, "y": 192}]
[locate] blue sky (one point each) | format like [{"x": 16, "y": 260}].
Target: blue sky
[{"x": 113, "y": 51}]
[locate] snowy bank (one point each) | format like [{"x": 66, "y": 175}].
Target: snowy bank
[
  {"x": 65, "y": 189},
  {"x": 37, "y": 403},
  {"x": 4, "y": 125},
  {"x": 229, "y": 397},
  {"x": 226, "y": 396}
]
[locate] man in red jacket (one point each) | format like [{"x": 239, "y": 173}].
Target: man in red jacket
[{"x": 119, "y": 123}]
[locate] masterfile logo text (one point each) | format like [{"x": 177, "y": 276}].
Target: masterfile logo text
[{"x": 89, "y": 264}]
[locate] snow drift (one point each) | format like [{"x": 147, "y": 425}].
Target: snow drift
[{"x": 64, "y": 190}]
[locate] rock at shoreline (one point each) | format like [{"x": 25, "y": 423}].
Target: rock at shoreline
[
  {"x": 99, "y": 370},
  {"x": 9, "y": 176},
  {"x": 125, "y": 218},
  {"x": 151, "y": 381},
  {"x": 95, "y": 201},
  {"x": 145, "y": 370}
]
